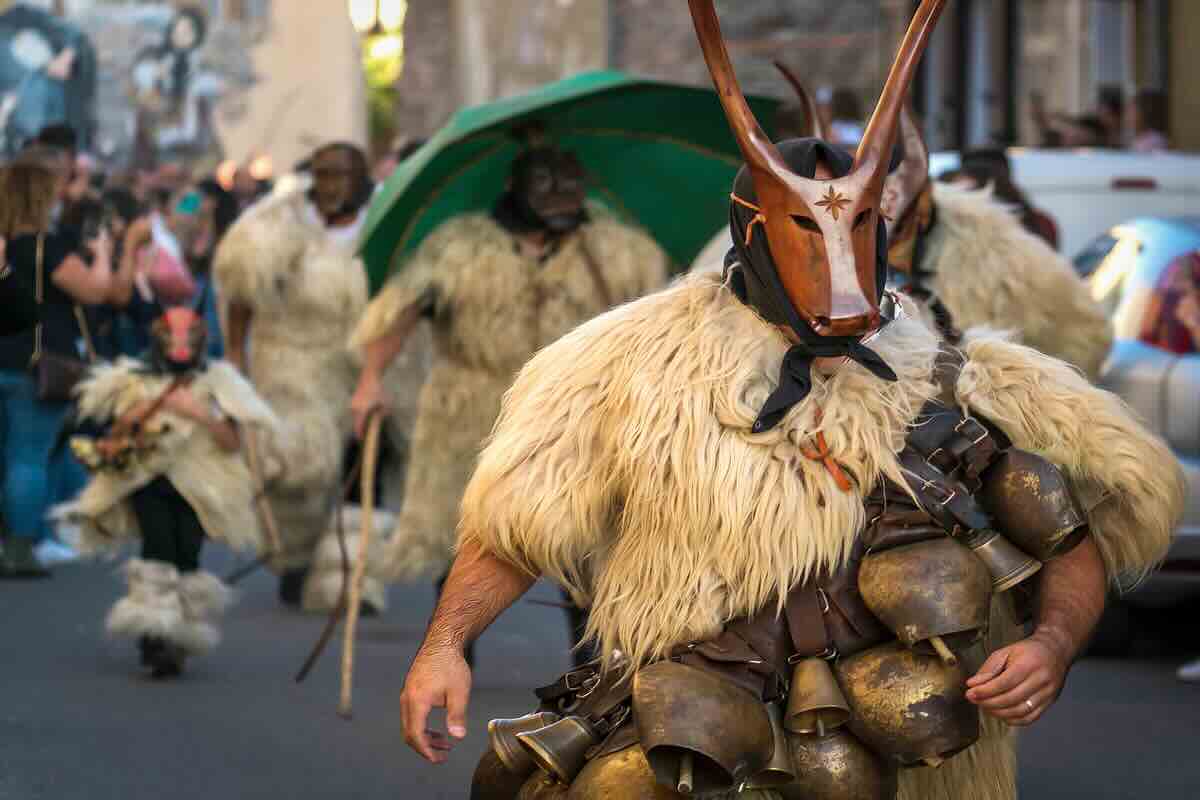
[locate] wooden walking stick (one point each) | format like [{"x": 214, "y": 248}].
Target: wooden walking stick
[
  {"x": 265, "y": 513},
  {"x": 370, "y": 461}
]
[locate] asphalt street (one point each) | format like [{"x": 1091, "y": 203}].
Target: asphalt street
[{"x": 79, "y": 722}]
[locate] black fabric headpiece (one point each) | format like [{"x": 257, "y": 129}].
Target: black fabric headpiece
[{"x": 754, "y": 278}]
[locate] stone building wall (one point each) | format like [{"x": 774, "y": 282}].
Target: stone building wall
[{"x": 847, "y": 44}]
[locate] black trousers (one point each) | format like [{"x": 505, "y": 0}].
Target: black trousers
[{"x": 171, "y": 531}]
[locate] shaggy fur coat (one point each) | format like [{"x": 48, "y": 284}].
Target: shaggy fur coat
[
  {"x": 307, "y": 291},
  {"x": 216, "y": 484},
  {"x": 623, "y": 466},
  {"x": 494, "y": 309},
  {"x": 990, "y": 272}
]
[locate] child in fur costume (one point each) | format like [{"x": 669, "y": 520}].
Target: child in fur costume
[
  {"x": 169, "y": 470},
  {"x": 495, "y": 289},
  {"x": 293, "y": 292},
  {"x": 687, "y": 460}
]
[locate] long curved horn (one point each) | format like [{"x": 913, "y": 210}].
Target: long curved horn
[
  {"x": 755, "y": 145},
  {"x": 875, "y": 150},
  {"x": 816, "y": 127},
  {"x": 904, "y": 184}
]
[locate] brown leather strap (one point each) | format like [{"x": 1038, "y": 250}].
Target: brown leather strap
[
  {"x": 594, "y": 270},
  {"x": 805, "y": 611}
]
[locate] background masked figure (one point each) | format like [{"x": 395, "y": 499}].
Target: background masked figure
[
  {"x": 293, "y": 291},
  {"x": 495, "y": 288},
  {"x": 716, "y": 470},
  {"x": 168, "y": 469}
]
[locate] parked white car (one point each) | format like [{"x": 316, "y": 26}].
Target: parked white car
[{"x": 1087, "y": 192}]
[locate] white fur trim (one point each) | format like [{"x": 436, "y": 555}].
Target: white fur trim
[
  {"x": 152, "y": 606},
  {"x": 991, "y": 272}
]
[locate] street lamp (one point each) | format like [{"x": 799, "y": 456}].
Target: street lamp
[{"x": 378, "y": 17}]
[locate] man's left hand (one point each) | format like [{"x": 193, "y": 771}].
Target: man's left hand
[{"x": 1020, "y": 682}]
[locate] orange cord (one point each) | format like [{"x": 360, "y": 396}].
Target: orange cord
[
  {"x": 822, "y": 454},
  {"x": 759, "y": 217}
]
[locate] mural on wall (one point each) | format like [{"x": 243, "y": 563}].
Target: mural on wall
[
  {"x": 142, "y": 81},
  {"x": 48, "y": 74}
]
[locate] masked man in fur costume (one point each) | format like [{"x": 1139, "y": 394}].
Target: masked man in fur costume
[
  {"x": 169, "y": 469},
  {"x": 293, "y": 291},
  {"x": 717, "y": 471},
  {"x": 495, "y": 289}
]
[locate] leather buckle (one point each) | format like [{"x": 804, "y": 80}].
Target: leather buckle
[
  {"x": 936, "y": 489},
  {"x": 824, "y": 600},
  {"x": 983, "y": 431},
  {"x": 830, "y": 653}
]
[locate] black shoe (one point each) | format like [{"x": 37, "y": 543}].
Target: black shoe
[
  {"x": 164, "y": 659},
  {"x": 151, "y": 649},
  {"x": 291, "y": 587},
  {"x": 17, "y": 560}
]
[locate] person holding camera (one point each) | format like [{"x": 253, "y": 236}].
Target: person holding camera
[{"x": 36, "y": 365}]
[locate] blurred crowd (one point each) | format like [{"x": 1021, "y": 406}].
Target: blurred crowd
[
  {"x": 1137, "y": 123},
  {"x": 90, "y": 258}
]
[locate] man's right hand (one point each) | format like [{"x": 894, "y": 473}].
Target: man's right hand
[
  {"x": 438, "y": 678},
  {"x": 368, "y": 397}
]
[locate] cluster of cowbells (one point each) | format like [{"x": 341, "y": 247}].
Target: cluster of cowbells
[{"x": 849, "y": 723}]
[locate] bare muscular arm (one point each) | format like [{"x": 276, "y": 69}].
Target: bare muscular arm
[
  {"x": 378, "y": 355},
  {"x": 1019, "y": 683},
  {"x": 479, "y": 588}
]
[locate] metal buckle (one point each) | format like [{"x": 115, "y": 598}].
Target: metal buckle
[
  {"x": 824, "y": 600},
  {"x": 578, "y": 679},
  {"x": 830, "y": 653},
  {"x": 929, "y": 458},
  {"x": 975, "y": 422},
  {"x": 930, "y": 486}
]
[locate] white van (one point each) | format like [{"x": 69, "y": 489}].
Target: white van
[{"x": 1087, "y": 192}]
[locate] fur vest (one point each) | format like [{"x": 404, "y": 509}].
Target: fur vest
[
  {"x": 215, "y": 483},
  {"x": 623, "y": 464},
  {"x": 992, "y": 273},
  {"x": 493, "y": 309},
  {"x": 307, "y": 291}
]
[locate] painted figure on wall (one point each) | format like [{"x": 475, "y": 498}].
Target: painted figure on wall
[
  {"x": 48, "y": 75},
  {"x": 173, "y": 93}
]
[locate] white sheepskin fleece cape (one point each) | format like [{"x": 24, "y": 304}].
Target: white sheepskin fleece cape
[
  {"x": 216, "y": 483},
  {"x": 992, "y": 273},
  {"x": 494, "y": 309},
  {"x": 623, "y": 466}
]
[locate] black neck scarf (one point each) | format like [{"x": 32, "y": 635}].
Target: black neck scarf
[{"x": 754, "y": 278}]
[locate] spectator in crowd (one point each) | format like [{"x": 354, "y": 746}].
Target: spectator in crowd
[
  {"x": 35, "y": 476},
  {"x": 16, "y": 298},
  {"x": 1058, "y": 130},
  {"x": 1110, "y": 113},
  {"x": 1148, "y": 121},
  {"x": 991, "y": 168}
]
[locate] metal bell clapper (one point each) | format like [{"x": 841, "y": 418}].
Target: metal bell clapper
[
  {"x": 933, "y": 593},
  {"x": 815, "y": 701}
]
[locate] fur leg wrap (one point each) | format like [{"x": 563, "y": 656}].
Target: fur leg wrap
[
  {"x": 205, "y": 599},
  {"x": 153, "y": 606},
  {"x": 323, "y": 588}
]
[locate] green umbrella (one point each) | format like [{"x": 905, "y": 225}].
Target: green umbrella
[{"x": 658, "y": 154}]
